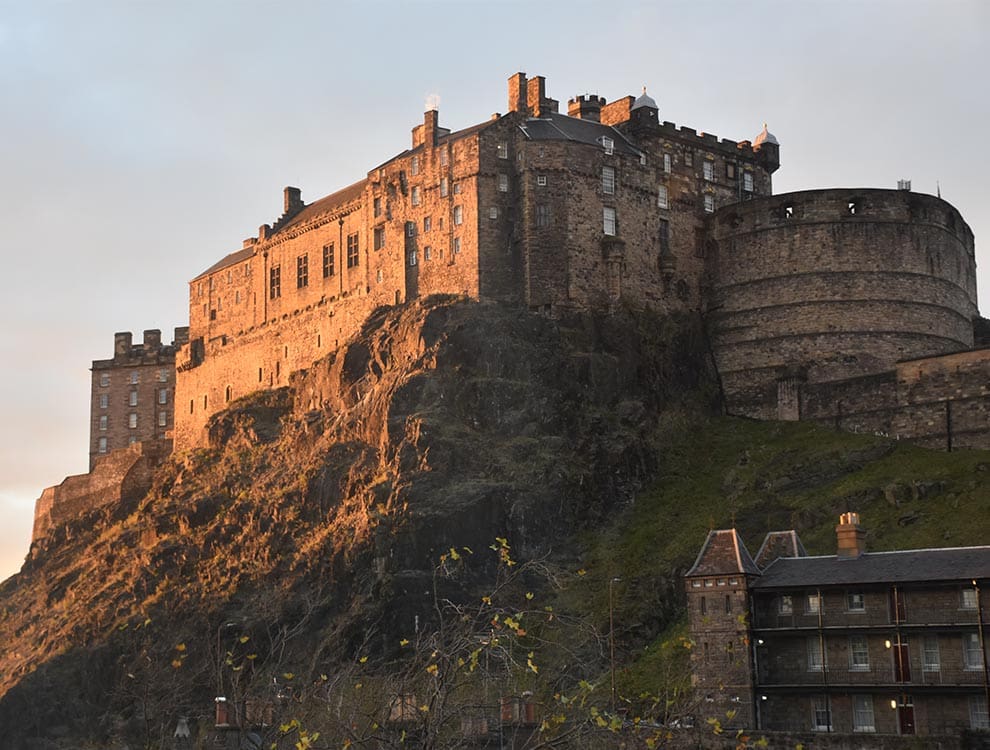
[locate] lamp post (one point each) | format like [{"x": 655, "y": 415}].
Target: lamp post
[{"x": 611, "y": 635}]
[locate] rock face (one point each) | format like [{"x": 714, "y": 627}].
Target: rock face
[{"x": 321, "y": 507}]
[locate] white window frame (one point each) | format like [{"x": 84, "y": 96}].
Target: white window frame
[
  {"x": 414, "y": 165},
  {"x": 855, "y": 601},
  {"x": 415, "y": 197},
  {"x": 609, "y": 221},
  {"x": 132, "y": 398},
  {"x": 541, "y": 180},
  {"x": 427, "y": 223},
  {"x": 608, "y": 180},
  {"x": 972, "y": 658},
  {"x": 444, "y": 187},
  {"x": 608, "y": 144},
  {"x": 493, "y": 212},
  {"x": 427, "y": 253},
  {"x": 708, "y": 170},
  {"x": 967, "y": 599},
  {"x": 667, "y": 163},
  {"x": 931, "y": 657},
  {"x": 412, "y": 257},
  {"x": 978, "y": 717},
  {"x": 859, "y": 653},
  {"x": 820, "y": 710},
  {"x": 134, "y": 377},
  {"x": 663, "y": 197},
  {"x": 163, "y": 375},
  {"x": 785, "y": 605},
  {"x": 132, "y": 420},
  {"x": 162, "y": 419},
  {"x": 864, "y": 719},
  {"x": 104, "y": 379},
  {"x": 104, "y": 400},
  {"x": 816, "y": 661},
  {"x": 748, "y": 182},
  {"x": 709, "y": 202},
  {"x": 378, "y": 238},
  {"x": 458, "y": 215},
  {"x": 103, "y": 421},
  {"x": 457, "y": 245},
  {"x": 503, "y": 182},
  {"x": 410, "y": 229},
  {"x": 502, "y": 149},
  {"x": 162, "y": 395},
  {"x": 101, "y": 445},
  {"x": 812, "y": 604}
]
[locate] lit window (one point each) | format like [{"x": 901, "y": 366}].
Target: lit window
[
  {"x": 132, "y": 398},
  {"x": 931, "y": 659},
  {"x": 104, "y": 400},
  {"x": 102, "y": 445},
  {"x": 493, "y": 212},
  {"x": 814, "y": 648},
  {"x": 426, "y": 253},
  {"x": 427, "y": 223},
  {"x": 859, "y": 653},
  {"x": 608, "y": 221},
  {"x": 352, "y": 250},
  {"x": 275, "y": 282},
  {"x": 104, "y": 379},
  {"x": 666, "y": 163},
  {"x": 542, "y": 216},
  {"x": 162, "y": 395},
  {"x": 412, "y": 257},
  {"x": 972, "y": 658},
  {"x": 103, "y": 421},
  {"x": 978, "y": 718},
  {"x": 302, "y": 271},
  {"x": 786, "y": 605},
  {"x": 662, "y": 197},
  {"x": 503, "y": 183},
  {"x": 414, "y": 165},
  {"x": 541, "y": 180},
  {"x": 968, "y": 599},
  {"x": 863, "y": 714},
  {"x": 748, "y": 182},
  {"x": 134, "y": 377},
  {"x": 709, "y": 203},
  {"x": 132, "y": 420},
  {"x": 444, "y": 187},
  {"x": 855, "y": 601},
  {"x": 608, "y": 144},
  {"x": 458, "y": 215},
  {"x": 457, "y": 245},
  {"x": 503, "y": 150},
  {"x": 415, "y": 196},
  {"x": 163, "y": 376},
  {"x": 328, "y": 261},
  {"x": 377, "y": 207},
  {"x": 608, "y": 180},
  {"x": 162, "y": 418},
  {"x": 821, "y": 714}
]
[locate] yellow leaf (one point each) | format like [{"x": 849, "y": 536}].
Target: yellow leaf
[
  {"x": 363, "y": 659},
  {"x": 288, "y": 675},
  {"x": 252, "y": 656},
  {"x": 176, "y": 663},
  {"x": 147, "y": 621},
  {"x": 582, "y": 572},
  {"x": 529, "y": 594},
  {"x": 404, "y": 642},
  {"x": 358, "y": 685},
  {"x": 433, "y": 669},
  {"x": 424, "y": 708},
  {"x": 181, "y": 647},
  {"x": 486, "y": 599},
  {"x": 323, "y": 677},
  {"x": 453, "y": 554},
  {"x": 244, "y": 638}
]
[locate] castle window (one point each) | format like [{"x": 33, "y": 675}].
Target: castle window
[
  {"x": 503, "y": 183},
  {"x": 444, "y": 157},
  {"x": 859, "y": 654},
  {"x": 748, "y": 182},
  {"x": 608, "y": 221},
  {"x": 237, "y": 296},
  {"x": 247, "y": 268},
  {"x": 352, "y": 250},
  {"x": 978, "y": 717},
  {"x": 163, "y": 376},
  {"x": 457, "y": 188},
  {"x": 328, "y": 261},
  {"x": 104, "y": 400},
  {"x": 377, "y": 207},
  {"x": 131, "y": 440},
  {"x": 541, "y": 180},
  {"x": 192, "y": 407},
  {"x": 412, "y": 257},
  {"x": 414, "y": 165},
  {"x": 134, "y": 377},
  {"x": 426, "y": 253},
  {"x": 930, "y": 657},
  {"x": 444, "y": 187},
  {"x": 608, "y": 180},
  {"x": 102, "y": 445},
  {"x": 132, "y": 420},
  {"x": 856, "y": 601},
  {"x": 708, "y": 170},
  {"x": 852, "y": 207},
  {"x": 162, "y": 395},
  {"x": 703, "y": 606},
  {"x": 863, "y": 714},
  {"x": 302, "y": 271},
  {"x": 427, "y": 223},
  {"x": 457, "y": 245},
  {"x": 664, "y": 237},
  {"x": 415, "y": 196},
  {"x": 259, "y": 380},
  {"x": 728, "y": 604},
  {"x": 968, "y": 599},
  {"x": 458, "y": 215},
  {"x": 972, "y": 658},
  {"x": 503, "y": 150},
  {"x": 788, "y": 211},
  {"x": 103, "y": 421},
  {"x": 542, "y": 215},
  {"x": 663, "y": 201},
  {"x": 410, "y": 229},
  {"x": 275, "y": 282},
  {"x": 226, "y": 395},
  {"x": 730, "y": 170},
  {"x": 667, "y": 163},
  {"x": 709, "y": 203},
  {"x": 206, "y": 402},
  {"x": 162, "y": 419},
  {"x": 493, "y": 212},
  {"x": 814, "y": 649},
  {"x": 213, "y": 314},
  {"x": 104, "y": 379},
  {"x": 378, "y": 278},
  {"x": 785, "y": 605},
  {"x": 608, "y": 144},
  {"x": 132, "y": 398}
]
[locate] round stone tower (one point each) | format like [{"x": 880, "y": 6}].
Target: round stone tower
[{"x": 824, "y": 285}]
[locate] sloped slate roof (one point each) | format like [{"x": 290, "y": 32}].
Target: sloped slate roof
[
  {"x": 908, "y": 566},
  {"x": 558, "y": 127},
  {"x": 780, "y": 544},
  {"x": 723, "y": 552},
  {"x": 228, "y": 260},
  {"x": 326, "y": 205}
]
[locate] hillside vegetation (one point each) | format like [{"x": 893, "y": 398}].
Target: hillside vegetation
[{"x": 306, "y": 540}]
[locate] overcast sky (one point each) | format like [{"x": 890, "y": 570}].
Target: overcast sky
[{"x": 142, "y": 141}]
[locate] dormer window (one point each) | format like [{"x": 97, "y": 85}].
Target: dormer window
[{"x": 608, "y": 144}]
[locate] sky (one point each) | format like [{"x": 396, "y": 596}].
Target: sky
[{"x": 141, "y": 141}]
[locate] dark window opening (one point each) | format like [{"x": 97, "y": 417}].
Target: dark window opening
[
  {"x": 328, "y": 261},
  {"x": 275, "y": 282},
  {"x": 302, "y": 271},
  {"x": 352, "y": 250}
]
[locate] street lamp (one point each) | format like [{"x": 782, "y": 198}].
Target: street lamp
[{"x": 611, "y": 636}]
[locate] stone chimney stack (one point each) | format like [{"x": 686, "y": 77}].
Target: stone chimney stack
[
  {"x": 292, "y": 200},
  {"x": 517, "y": 93},
  {"x": 586, "y": 107},
  {"x": 122, "y": 344},
  {"x": 850, "y": 537},
  {"x": 536, "y": 94}
]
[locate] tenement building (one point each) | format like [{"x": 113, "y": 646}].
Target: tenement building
[{"x": 856, "y": 642}]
